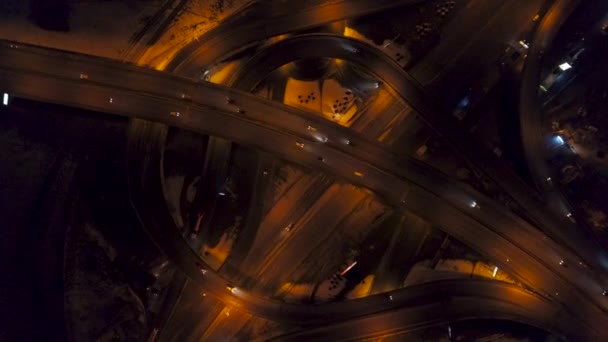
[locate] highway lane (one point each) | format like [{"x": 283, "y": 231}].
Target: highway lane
[
  {"x": 444, "y": 302},
  {"x": 529, "y": 105},
  {"x": 410, "y": 235},
  {"x": 449, "y": 292},
  {"x": 256, "y": 23},
  {"x": 212, "y": 182},
  {"x": 513, "y": 239},
  {"x": 393, "y": 76},
  {"x": 531, "y": 126},
  {"x": 263, "y": 180},
  {"x": 271, "y": 235},
  {"x": 309, "y": 232},
  {"x": 471, "y": 44}
]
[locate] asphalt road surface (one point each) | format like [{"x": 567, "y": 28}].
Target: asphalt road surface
[
  {"x": 325, "y": 45},
  {"x": 259, "y": 22},
  {"x": 517, "y": 247},
  {"x": 442, "y": 302}
]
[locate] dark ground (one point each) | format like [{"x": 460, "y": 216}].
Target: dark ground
[{"x": 59, "y": 169}]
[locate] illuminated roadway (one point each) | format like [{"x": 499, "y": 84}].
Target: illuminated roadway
[
  {"x": 532, "y": 132},
  {"x": 432, "y": 304},
  {"x": 124, "y": 90},
  {"x": 393, "y": 76},
  {"x": 256, "y": 23},
  {"x": 529, "y": 106}
]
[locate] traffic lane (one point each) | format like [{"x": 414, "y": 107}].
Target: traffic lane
[
  {"x": 390, "y": 186},
  {"x": 379, "y": 115},
  {"x": 447, "y": 301},
  {"x": 532, "y": 130},
  {"x": 253, "y": 300},
  {"x": 170, "y": 300},
  {"x": 211, "y": 183},
  {"x": 287, "y": 211},
  {"x": 159, "y": 84},
  {"x": 261, "y": 191},
  {"x": 529, "y": 106},
  {"x": 145, "y": 154},
  {"x": 242, "y": 32},
  {"x": 324, "y": 45},
  {"x": 100, "y": 105},
  {"x": 191, "y": 312},
  {"x": 260, "y": 305},
  {"x": 319, "y": 222},
  {"x": 462, "y": 27},
  {"x": 471, "y": 36},
  {"x": 534, "y": 272},
  {"x": 148, "y": 81},
  {"x": 370, "y": 152},
  {"x": 178, "y": 250},
  {"x": 411, "y": 233},
  {"x": 481, "y": 55},
  {"x": 459, "y": 32},
  {"x": 418, "y": 318},
  {"x": 218, "y": 99}
]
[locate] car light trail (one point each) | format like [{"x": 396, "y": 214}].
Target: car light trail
[{"x": 348, "y": 268}]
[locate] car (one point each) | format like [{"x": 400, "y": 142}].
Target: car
[
  {"x": 231, "y": 288},
  {"x": 176, "y": 114},
  {"x": 240, "y": 111},
  {"x": 229, "y": 100},
  {"x": 84, "y": 76},
  {"x": 299, "y": 144},
  {"x": 201, "y": 268},
  {"x": 289, "y": 227}
]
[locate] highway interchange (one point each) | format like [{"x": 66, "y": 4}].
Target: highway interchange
[{"x": 126, "y": 90}]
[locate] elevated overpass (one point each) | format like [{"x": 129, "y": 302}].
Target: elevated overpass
[{"x": 112, "y": 87}]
